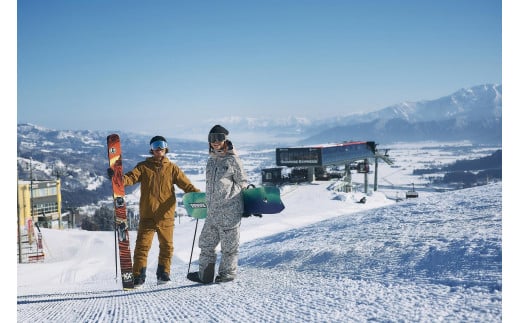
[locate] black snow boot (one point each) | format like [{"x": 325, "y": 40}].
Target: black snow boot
[
  {"x": 223, "y": 278},
  {"x": 206, "y": 277},
  {"x": 208, "y": 274},
  {"x": 139, "y": 279},
  {"x": 162, "y": 276},
  {"x": 194, "y": 277}
]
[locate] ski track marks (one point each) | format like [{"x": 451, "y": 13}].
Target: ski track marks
[
  {"x": 264, "y": 295},
  {"x": 427, "y": 260}
]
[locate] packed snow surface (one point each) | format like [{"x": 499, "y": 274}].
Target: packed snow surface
[{"x": 325, "y": 258}]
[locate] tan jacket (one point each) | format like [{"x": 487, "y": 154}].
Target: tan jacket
[{"x": 157, "y": 180}]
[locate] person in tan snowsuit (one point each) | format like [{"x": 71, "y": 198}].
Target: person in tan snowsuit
[{"x": 157, "y": 176}]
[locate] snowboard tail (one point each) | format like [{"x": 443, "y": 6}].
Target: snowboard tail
[
  {"x": 120, "y": 219},
  {"x": 262, "y": 200}
]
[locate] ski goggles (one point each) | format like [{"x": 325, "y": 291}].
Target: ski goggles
[
  {"x": 216, "y": 137},
  {"x": 159, "y": 145}
]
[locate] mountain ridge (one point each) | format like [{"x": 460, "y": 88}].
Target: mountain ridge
[{"x": 448, "y": 118}]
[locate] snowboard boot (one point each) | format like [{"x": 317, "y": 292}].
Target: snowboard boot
[
  {"x": 194, "y": 277},
  {"x": 224, "y": 278},
  {"x": 139, "y": 279},
  {"x": 162, "y": 276},
  {"x": 208, "y": 274},
  {"x": 205, "y": 278}
]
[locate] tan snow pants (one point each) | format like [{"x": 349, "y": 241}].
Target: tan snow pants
[{"x": 145, "y": 234}]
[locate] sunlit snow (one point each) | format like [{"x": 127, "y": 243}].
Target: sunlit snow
[
  {"x": 436, "y": 258},
  {"x": 325, "y": 258}
]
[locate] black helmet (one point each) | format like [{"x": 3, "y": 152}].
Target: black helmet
[
  {"x": 219, "y": 129},
  {"x": 157, "y": 138},
  {"x": 217, "y": 133}
]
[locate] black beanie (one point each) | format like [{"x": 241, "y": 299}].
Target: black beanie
[
  {"x": 157, "y": 138},
  {"x": 219, "y": 129}
]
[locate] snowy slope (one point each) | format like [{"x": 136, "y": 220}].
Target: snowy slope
[{"x": 325, "y": 258}]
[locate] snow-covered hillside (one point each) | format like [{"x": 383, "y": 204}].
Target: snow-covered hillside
[{"x": 325, "y": 258}]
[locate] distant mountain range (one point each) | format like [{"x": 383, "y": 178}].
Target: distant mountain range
[
  {"x": 473, "y": 114},
  {"x": 80, "y": 158}
]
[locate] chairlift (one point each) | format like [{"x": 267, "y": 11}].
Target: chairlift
[{"x": 412, "y": 193}]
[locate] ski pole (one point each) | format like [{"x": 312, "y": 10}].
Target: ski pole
[
  {"x": 193, "y": 244},
  {"x": 115, "y": 242}
]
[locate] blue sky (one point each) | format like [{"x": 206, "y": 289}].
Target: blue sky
[{"x": 133, "y": 65}]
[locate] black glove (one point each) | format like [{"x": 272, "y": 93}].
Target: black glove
[
  {"x": 258, "y": 215},
  {"x": 110, "y": 173}
]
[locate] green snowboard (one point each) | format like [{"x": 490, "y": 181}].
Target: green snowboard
[
  {"x": 257, "y": 200},
  {"x": 262, "y": 200},
  {"x": 195, "y": 204}
]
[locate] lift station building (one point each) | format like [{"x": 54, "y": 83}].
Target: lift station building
[{"x": 321, "y": 156}]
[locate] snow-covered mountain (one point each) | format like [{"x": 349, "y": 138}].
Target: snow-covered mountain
[
  {"x": 471, "y": 104},
  {"x": 473, "y": 114}
]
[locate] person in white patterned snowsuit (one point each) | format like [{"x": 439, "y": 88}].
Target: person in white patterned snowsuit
[{"x": 225, "y": 180}]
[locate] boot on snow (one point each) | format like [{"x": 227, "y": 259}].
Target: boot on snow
[
  {"x": 139, "y": 279},
  {"x": 162, "y": 276},
  {"x": 205, "y": 277}
]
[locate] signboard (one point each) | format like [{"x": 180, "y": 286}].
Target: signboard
[
  {"x": 325, "y": 155},
  {"x": 294, "y": 157}
]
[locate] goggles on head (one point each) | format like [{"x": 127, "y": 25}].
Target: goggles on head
[
  {"x": 159, "y": 145},
  {"x": 216, "y": 137}
]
